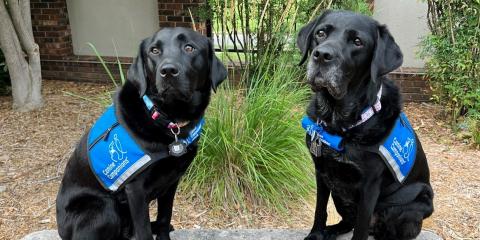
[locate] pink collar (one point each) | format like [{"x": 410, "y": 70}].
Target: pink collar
[{"x": 371, "y": 110}]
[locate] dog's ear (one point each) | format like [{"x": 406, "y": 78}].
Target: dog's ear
[
  {"x": 387, "y": 55},
  {"x": 218, "y": 72},
  {"x": 304, "y": 38},
  {"x": 136, "y": 73}
]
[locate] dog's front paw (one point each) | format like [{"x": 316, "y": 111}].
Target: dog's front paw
[
  {"x": 320, "y": 235},
  {"x": 163, "y": 236},
  {"x": 157, "y": 228}
]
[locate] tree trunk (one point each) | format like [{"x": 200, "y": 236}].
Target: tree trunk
[{"x": 21, "y": 54}]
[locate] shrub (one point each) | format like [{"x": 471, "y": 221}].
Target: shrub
[
  {"x": 452, "y": 54},
  {"x": 252, "y": 150}
]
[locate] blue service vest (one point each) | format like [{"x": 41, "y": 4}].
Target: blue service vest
[
  {"x": 398, "y": 149},
  {"x": 113, "y": 154}
]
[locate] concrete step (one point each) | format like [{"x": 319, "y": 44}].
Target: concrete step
[{"x": 231, "y": 234}]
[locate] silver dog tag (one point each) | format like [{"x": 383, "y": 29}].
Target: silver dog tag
[
  {"x": 177, "y": 148},
  {"x": 316, "y": 147}
]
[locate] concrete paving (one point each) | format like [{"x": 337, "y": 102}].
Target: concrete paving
[{"x": 231, "y": 234}]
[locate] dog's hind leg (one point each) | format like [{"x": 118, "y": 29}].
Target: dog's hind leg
[
  {"x": 397, "y": 223},
  {"x": 96, "y": 219},
  {"x": 403, "y": 222}
]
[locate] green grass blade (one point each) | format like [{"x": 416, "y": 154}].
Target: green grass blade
[{"x": 103, "y": 63}]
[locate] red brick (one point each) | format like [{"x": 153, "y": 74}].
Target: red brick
[
  {"x": 167, "y": 24},
  {"x": 174, "y": 19},
  {"x": 166, "y": 12},
  {"x": 182, "y": 24},
  {"x": 50, "y": 11}
]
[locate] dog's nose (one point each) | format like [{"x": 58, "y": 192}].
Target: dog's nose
[
  {"x": 168, "y": 70},
  {"x": 324, "y": 55}
]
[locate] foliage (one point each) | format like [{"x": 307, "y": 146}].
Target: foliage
[
  {"x": 5, "y": 85},
  {"x": 252, "y": 151},
  {"x": 249, "y": 27},
  {"x": 354, "y": 5},
  {"x": 452, "y": 54}
]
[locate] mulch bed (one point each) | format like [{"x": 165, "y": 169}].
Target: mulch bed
[{"x": 35, "y": 146}]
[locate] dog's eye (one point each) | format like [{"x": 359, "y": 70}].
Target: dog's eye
[
  {"x": 155, "y": 51},
  {"x": 189, "y": 48},
  {"x": 358, "y": 42},
  {"x": 321, "y": 34}
]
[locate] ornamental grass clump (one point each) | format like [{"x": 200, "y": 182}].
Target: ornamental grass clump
[{"x": 252, "y": 150}]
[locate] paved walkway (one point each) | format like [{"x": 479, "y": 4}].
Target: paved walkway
[{"x": 241, "y": 234}]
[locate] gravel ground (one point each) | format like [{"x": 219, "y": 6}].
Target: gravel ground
[{"x": 34, "y": 147}]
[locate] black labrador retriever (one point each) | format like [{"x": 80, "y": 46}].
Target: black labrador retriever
[
  {"x": 167, "y": 90},
  {"x": 353, "y": 114}
]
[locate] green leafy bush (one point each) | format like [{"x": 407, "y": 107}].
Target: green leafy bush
[{"x": 452, "y": 54}]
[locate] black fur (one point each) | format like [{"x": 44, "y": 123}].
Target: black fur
[
  {"x": 345, "y": 78},
  {"x": 85, "y": 210}
]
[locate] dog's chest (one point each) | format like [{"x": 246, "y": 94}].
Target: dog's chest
[
  {"x": 161, "y": 175},
  {"x": 338, "y": 172}
]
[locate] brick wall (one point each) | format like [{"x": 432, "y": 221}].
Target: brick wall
[
  {"x": 412, "y": 83},
  {"x": 51, "y": 28},
  {"x": 175, "y": 13}
]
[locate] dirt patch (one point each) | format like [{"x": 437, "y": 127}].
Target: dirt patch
[{"x": 35, "y": 146}]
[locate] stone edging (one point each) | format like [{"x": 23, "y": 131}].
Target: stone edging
[{"x": 231, "y": 234}]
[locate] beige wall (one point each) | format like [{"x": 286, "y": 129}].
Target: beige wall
[
  {"x": 407, "y": 21},
  {"x": 102, "y": 22}
]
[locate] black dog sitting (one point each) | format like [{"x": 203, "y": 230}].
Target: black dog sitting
[
  {"x": 138, "y": 150},
  {"x": 366, "y": 154}
]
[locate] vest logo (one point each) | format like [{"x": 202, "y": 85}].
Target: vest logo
[
  {"x": 115, "y": 149},
  {"x": 117, "y": 154},
  {"x": 402, "y": 151}
]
